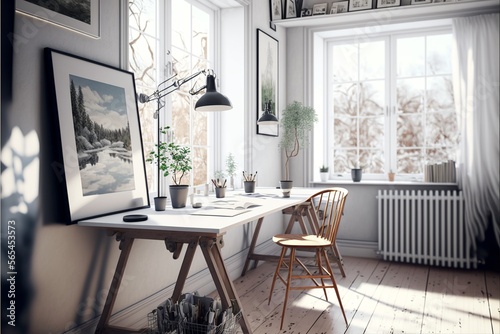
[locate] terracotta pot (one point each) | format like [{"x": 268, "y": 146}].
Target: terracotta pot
[{"x": 391, "y": 176}]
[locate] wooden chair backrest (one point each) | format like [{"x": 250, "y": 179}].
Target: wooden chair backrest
[{"x": 325, "y": 210}]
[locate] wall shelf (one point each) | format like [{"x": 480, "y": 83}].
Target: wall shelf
[{"x": 398, "y": 14}]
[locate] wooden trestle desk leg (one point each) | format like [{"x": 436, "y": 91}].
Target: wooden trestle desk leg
[
  {"x": 211, "y": 251},
  {"x": 184, "y": 271},
  {"x": 252, "y": 247},
  {"x": 295, "y": 215},
  {"x": 125, "y": 246}
]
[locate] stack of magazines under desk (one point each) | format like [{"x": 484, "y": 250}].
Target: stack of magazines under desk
[{"x": 193, "y": 314}]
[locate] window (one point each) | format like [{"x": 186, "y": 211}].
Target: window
[
  {"x": 192, "y": 47},
  {"x": 390, "y": 103},
  {"x": 167, "y": 37}
]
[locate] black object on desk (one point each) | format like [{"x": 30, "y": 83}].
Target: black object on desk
[{"x": 134, "y": 218}]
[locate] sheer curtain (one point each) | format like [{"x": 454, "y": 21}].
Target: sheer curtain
[{"x": 476, "y": 88}]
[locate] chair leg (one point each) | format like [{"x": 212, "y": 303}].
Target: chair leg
[
  {"x": 338, "y": 258},
  {"x": 276, "y": 273},
  {"x": 288, "y": 283},
  {"x": 320, "y": 270},
  {"x": 335, "y": 285}
]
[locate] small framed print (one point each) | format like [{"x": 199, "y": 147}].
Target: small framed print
[
  {"x": 355, "y": 5},
  {"x": 388, "y": 3},
  {"x": 275, "y": 10},
  {"x": 319, "y": 9},
  {"x": 305, "y": 12},
  {"x": 290, "y": 9},
  {"x": 339, "y": 7},
  {"x": 418, "y": 2}
]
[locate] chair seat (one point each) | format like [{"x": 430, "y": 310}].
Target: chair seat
[{"x": 300, "y": 240}]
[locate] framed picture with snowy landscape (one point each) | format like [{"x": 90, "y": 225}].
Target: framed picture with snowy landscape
[
  {"x": 102, "y": 157},
  {"x": 76, "y": 15}
]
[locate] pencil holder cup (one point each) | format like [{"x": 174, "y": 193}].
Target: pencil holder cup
[
  {"x": 249, "y": 186},
  {"x": 220, "y": 192}
]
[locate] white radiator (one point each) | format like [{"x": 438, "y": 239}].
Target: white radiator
[{"x": 425, "y": 227}]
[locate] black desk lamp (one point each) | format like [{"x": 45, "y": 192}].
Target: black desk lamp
[{"x": 210, "y": 101}]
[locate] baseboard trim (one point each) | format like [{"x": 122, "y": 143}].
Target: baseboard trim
[{"x": 357, "y": 248}]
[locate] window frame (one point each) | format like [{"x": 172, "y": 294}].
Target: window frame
[{"x": 390, "y": 118}]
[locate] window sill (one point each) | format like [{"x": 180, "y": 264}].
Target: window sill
[{"x": 383, "y": 182}]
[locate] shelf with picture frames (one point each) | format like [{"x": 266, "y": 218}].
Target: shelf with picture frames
[{"x": 417, "y": 10}]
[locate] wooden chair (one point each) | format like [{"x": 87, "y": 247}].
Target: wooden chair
[
  {"x": 331, "y": 202},
  {"x": 297, "y": 214}
]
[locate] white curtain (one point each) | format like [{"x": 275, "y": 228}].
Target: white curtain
[{"x": 476, "y": 88}]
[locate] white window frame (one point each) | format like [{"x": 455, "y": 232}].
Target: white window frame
[{"x": 390, "y": 141}]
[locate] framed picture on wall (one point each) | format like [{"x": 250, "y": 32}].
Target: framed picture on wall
[
  {"x": 388, "y": 3},
  {"x": 275, "y": 12},
  {"x": 355, "y": 5},
  {"x": 418, "y": 2},
  {"x": 267, "y": 81},
  {"x": 80, "y": 16},
  {"x": 290, "y": 9},
  {"x": 305, "y": 12},
  {"x": 101, "y": 144},
  {"x": 339, "y": 7},
  {"x": 319, "y": 9}
]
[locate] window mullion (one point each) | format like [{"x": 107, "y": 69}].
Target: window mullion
[{"x": 391, "y": 162}]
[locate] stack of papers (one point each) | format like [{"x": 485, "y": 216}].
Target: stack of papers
[{"x": 225, "y": 208}]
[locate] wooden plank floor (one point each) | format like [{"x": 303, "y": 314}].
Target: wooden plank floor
[{"x": 378, "y": 297}]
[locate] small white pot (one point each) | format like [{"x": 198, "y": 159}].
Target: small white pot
[{"x": 324, "y": 176}]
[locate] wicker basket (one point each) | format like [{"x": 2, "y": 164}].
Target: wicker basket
[{"x": 229, "y": 326}]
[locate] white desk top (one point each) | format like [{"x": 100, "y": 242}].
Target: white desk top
[{"x": 182, "y": 220}]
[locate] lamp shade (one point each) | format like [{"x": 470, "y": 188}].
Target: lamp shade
[
  {"x": 267, "y": 117},
  {"x": 212, "y": 100}
]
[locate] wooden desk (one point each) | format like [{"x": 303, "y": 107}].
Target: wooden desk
[{"x": 177, "y": 227}]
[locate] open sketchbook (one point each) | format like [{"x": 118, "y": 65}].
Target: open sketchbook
[
  {"x": 232, "y": 204},
  {"x": 225, "y": 208}
]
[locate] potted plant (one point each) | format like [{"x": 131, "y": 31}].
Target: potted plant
[
  {"x": 323, "y": 173},
  {"x": 231, "y": 169},
  {"x": 174, "y": 160},
  {"x": 296, "y": 121},
  {"x": 180, "y": 164},
  {"x": 160, "y": 157},
  {"x": 356, "y": 173},
  {"x": 391, "y": 175}
]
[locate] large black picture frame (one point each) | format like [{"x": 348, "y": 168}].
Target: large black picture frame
[
  {"x": 267, "y": 80},
  {"x": 103, "y": 167}
]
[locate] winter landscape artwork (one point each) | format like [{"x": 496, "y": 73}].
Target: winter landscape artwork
[{"x": 103, "y": 160}]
